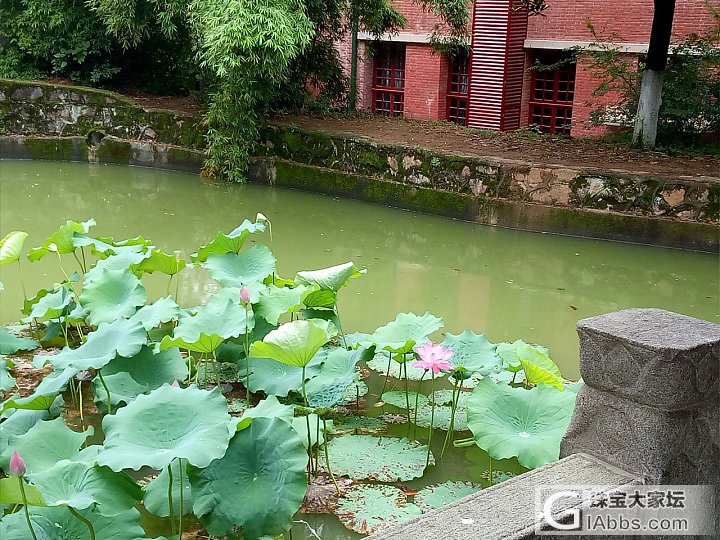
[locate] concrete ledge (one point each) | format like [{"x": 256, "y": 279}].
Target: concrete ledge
[{"x": 507, "y": 510}]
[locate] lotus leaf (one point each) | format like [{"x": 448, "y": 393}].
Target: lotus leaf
[
  {"x": 271, "y": 408},
  {"x": 160, "y": 311},
  {"x": 159, "y": 261},
  {"x": 538, "y": 367},
  {"x": 11, "y": 246},
  {"x": 44, "y": 444},
  {"x": 165, "y": 424},
  {"x": 51, "y": 404},
  {"x": 61, "y": 241},
  {"x": 258, "y": 484},
  {"x": 317, "y": 432},
  {"x": 10, "y": 492},
  {"x": 156, "y": 492},
  {"x": 508, "y": 351},
  {"x": 17, "y": 423},
  {"x": 354, "y": 392},
  {"x": 228, "y": 243},
  {"x": 333, "y": 278},
  {"x": 125, "y": 260},
  {"x": 574, "y": 387},
  {"x": 294, "y": 343},
  {"x": 337, "y": 372},
  {"x": 113, "y": 295},
  {"x": 406, "y": 331},
  {"x": 82, "y": 485},
  {"x": 57, "y": 523},
  {"x": 358, "y": 425},
  {"x": 127, "y": 378},
  {"x": 10, "y": 343},
  {"x": 7, "y": 381},
  {"x": 445, "y": 397},
  {"x": 508, "y": 422},
  {"x": 438, "y": 495},
  {"x": 379, "y": 363},
  {"x": 51, "y": 305},
  {"x": 273, "y": 377},
  {"x": 274, "y": 302},
  {"x": 441, "y": 419},
  {"x": 368, "y": 509},
  {"x": 385, "y": 459},
  {"x": 241, "y": 269},
  {"x": 474, "y": 352},
  {"x": 396, "y": 398}
]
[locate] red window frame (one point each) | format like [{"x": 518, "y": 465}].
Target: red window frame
[
  {"x": 388, "y": 87},
  {"x": 551, "y": 99},
  {"x": 458, "y": 90}
]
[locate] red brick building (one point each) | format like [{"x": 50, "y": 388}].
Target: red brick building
[{"x": 493, "y": 88}]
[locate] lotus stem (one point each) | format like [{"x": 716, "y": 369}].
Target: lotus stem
[
  {"x": 80, "y": 264},
  {"x": 107, "y": 391},
  {"x": 432, "y": 418},
  {"x": 327, "y": 457},
  {"x": 387, "y": 376},
  {"x": 182, "y": 502},
  {"x": 84, "y": 520},
  {"x": 310, "y": 452},
  {"x": 451, "y": 430},
  {"x": 21, "y": 482},
  {"x": 22, "y": 283},
  {"x": 80, "y": 394},
  {"x": 171, "y": 510},
  {"x": 82, "y": 252},
  {"x": 304, "y": 394},
  {"x": 417, "y": 395},
  {"x": 217, "y": 370},
  {"x": 317, "y": 438},
  {"x": 247, "y": 360},
  {"x": 342, "y": 334},
  {"x": 490, "y": 470},
  {"x": 407, "y": 397},
  {"x": 167, "y": 289}
]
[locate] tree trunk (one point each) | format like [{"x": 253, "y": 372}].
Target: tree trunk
[{"x": 646, "y": 120}]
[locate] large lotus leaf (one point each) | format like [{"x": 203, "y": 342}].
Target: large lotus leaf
[
  {"x": 337, "y": 372},
  {"x": 396, "y": 398},
  {"x": 379, "y": 363},
  {"x": 474, "y": 352},
  {"x": 508, "y": 351},
  {"x": 271, "y": 408},
  {"x": 159, "y": 261},
  {"x": 508, "y": 422},
  {"x": 241, "y": 269},
  {"x": 156, "y": 492},
  {"x": 212, "y": 324},
  {"x": 228, "y": 243},
  {"x": 294, "y": 343},
  {"x": 333, "y": 278},
  {"x": 51, "y": 305},
  {"x": 323, "y": 299},
  {"x": 406, "y": 331},
  {"x": 358, "y": 425},
  {"x": 165, "y": 424},
  {"x": 11, "y": 246},
  {"x": 44, "y": 444},
  {"x": 127, "y": 378},
  {"x": 57, "y": 523},
  {"x": 61, "y": 241},
  {"x": 160, "y": 311},
  {"x": 431, "y": 497},
  {"x": 113, "y": 295},
  {"x": 441, "y": 419},
  {"x": 10, "y": 343},
  {"x": 258, "y": 484},
  {"x": 539, "y": 368},
  {"x": 125, "y": 260},
  {"x": 17, "y": 423},
  {"x": 572, "y": 386},
  {"x": 273, "y": 377},
  {"x": 82, "y": 485},
  {"x": 7, "y": 381},
  {"x": 51, "y": 404},
  {"x": 445, "y": 397},
  {"x": 384, "y": 459},
  {"x": 11, "y": 492},
  {"x": 274, "y": 302},
  {"x": 368, "y": 509}
]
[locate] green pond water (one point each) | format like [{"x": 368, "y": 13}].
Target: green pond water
[{"x": 507, "y": 284}]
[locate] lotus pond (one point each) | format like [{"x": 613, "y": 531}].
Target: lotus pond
[{"x": 395, "y": 362}]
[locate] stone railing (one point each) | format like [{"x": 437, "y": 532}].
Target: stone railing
[{"x": 648, "y": 413}]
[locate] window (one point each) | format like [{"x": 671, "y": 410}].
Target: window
[
  {"x": 458, "y": 90},
  {"x": 389, "y": 79},
  {"x": 551, "y": 97}
]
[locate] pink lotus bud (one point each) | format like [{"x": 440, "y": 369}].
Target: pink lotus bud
[
  {"x": 175, "y": 384},
  {"x": 17, "y": 465},
  {"x": 244, "y": 296}
]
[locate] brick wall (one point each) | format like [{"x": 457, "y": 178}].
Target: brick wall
[{"x": 425, "y": 82}]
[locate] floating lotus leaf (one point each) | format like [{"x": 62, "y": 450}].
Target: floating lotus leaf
[
  {"x": 445, "y": 397},
  {"x": 396, "y": 398},
  {"x": 51, "y": 305},
  {"x": 474, "y": 352},
  {"x": 127, "y": 378},
  {"x": 438, "y": 495},
  {"x": 274, "y": 302},
  {"x": 156, "y": 492},
  {"x": 384, "y": 459},
  {"x": 337, "y": 372},
  {"x": 44, "y": 444},
  {"x": 10, "y": 343},
  {"x": 209, "y": 327},
  {"x": 7, "y": 381},
  {"x": 11, "y": 246},
  {"x": 442, "y": 417},
  {"x": 354, "y": 391},
  {"x": 159, "y": 261},
  {"x": 82, "y": 485},
  {"x": 10, "y": 493},
  {"x": 160, "y": 311},
  {"x": 113, "y": 295},
  {"x": 379, "y": 363},
  {"x": 358, "y": 425},
  {"x": 57, "y": 523},
  {"x": 333, "y": 278},
  {"x": 538, "y": 367},
  {"x": 258, "y": 484},
  {"x": 508, "y": 422},
  {"x": 240, "y": 269},
  {"x": 165, "y": 424},
  {"x": 271, "y": 408},
  {"x": 294, "y": 343},
  {"x": 228, "y": 243},
  {"x": 368, "y": 509},
  {"x": 61, "y": 241}
]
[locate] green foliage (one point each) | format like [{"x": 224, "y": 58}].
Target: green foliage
[{"x": 367, "y": 509}]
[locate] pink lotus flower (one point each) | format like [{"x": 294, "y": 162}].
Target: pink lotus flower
[
  {"x": 17, "y": 465},
  {"x": 244, "y": 296},
  {"x": 175, "y": 384},
  {"x": 433, "y": 357}
]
